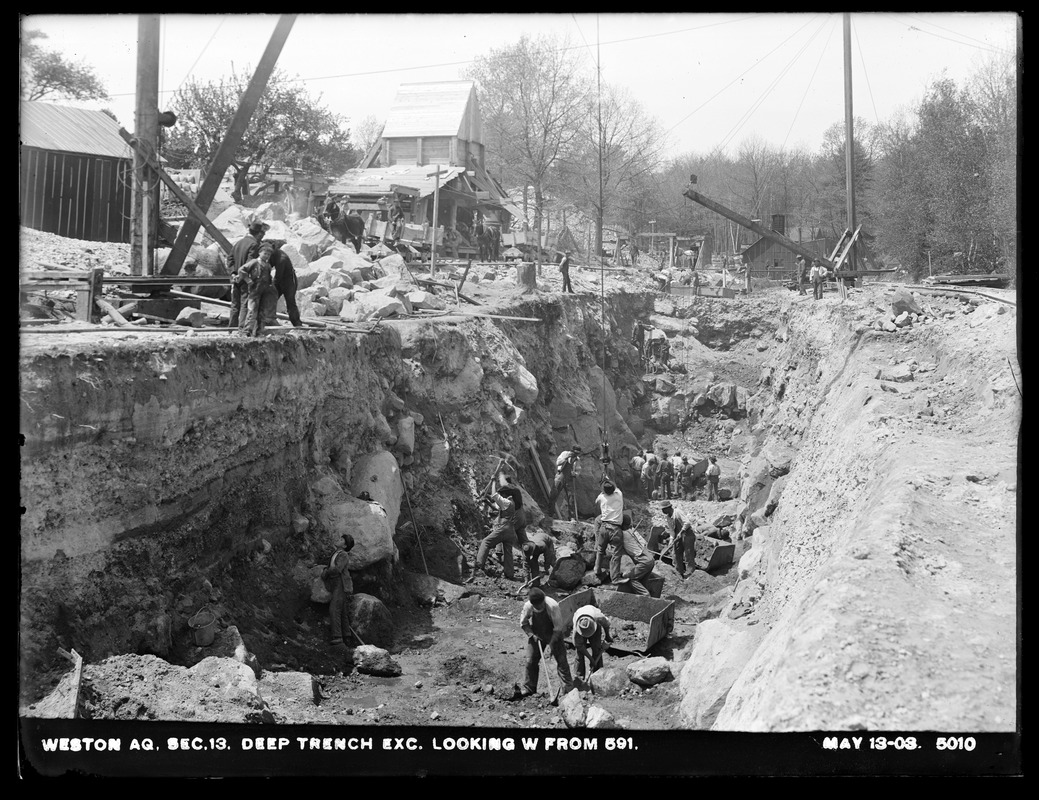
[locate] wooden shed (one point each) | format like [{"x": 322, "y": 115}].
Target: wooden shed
[
  {"x": 74, "y": 177},
  {"x": 431, "y": 123}
]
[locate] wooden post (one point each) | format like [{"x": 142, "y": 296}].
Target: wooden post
[
  {"x": 436, "y": 225},
  {"x": 225, "y": 153},
  {"x": 849, "y": 136},
  {"x": 144, "y": 186}
]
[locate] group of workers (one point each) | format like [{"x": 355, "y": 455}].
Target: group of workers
[
  {"x": 653, "y": 346},
  {"x": 663, "y": 477},
  {"x": 261, "y": 274},
  {"x": 817, "y": 275}
]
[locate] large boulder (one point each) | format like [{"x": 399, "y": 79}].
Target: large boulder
[
  {"x": 599, "y": 717},
  {"x": 650, "y": 671},
  {"x": 720, "y": 651},
  {"x": 371, "y": 660},
  {"x": 379, "y": 475},
  {"x": 314, "y": 241},
  {"x": 337, "y": 513},
  {"x": 723, "y": 395},
  {"x": 572, "y": 709},
  {"x": 609, "y": 681},
  {"x": 903, "y": 301},
  {"x": 371, "y": 620},
  {"x": 371, "y": 306},
  {"x": 524, "y": 384}
]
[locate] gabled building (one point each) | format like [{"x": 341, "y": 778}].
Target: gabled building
[
  {"x": 431, "y": 127},
  {"x": 75, "y": 173}
]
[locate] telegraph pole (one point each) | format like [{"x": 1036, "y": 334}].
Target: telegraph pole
[
  {"x": 849, "y": 139},
  {"x": 145, "y": 184}
]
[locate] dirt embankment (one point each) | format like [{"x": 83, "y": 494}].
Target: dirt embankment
[
  {"x": 158, "y": 476},
  {"x": 882, "y": 593}
]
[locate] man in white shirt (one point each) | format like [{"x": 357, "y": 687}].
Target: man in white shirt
[
  {"x": 591, "y": 631},
  {"x": 542, "y": 621},
  {"x": 610, "y": 532},
  {"x": 817, "y": 276}
]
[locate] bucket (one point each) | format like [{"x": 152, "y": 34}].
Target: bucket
[{"x": 203, "y": 627}]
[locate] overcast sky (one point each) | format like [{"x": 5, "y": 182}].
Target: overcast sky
[{"x": 710, "y": 80}]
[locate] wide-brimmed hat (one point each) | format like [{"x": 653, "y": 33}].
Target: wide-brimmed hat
[{"x": 586, "y": 626}]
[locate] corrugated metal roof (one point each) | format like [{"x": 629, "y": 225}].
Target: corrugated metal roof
[
  {"x": 378, "y": 180},
  {"x": 429, "y": 109},
  {"x": 70, "y": 130}
]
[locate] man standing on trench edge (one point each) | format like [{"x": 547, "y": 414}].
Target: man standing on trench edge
[
  {"x": 542, "y": 621},
  {"x": 285, "y": 285},
  {"x": 713, "y": 476},
  {"x": 341, "y": 584},
  {"x": 245, "y": 249}
]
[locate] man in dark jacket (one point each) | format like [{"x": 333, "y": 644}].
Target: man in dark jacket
[
  {"x": 244, "y": 250},
  {"x": 354, "y": 228},
  {"x": 285, "y": 286}
]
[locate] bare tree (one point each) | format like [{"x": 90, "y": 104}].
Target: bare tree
[
  {"x": 622, "y": 140},
  {"x": 532, "y": 93},
  {"x": 366, "y": 133}
]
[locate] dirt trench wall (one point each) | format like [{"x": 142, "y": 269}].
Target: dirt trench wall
[
  {"x": 873, "y": 594},
  {"x": 147, "y": 467}
]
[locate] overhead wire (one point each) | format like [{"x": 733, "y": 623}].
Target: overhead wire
[
  {"x": 459, "y": 63},
  {"x": 865, "y": 73},
  {"x": 745, "y": 118},
  {"x": 741, "y": 75}
]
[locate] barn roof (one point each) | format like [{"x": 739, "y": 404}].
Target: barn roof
[
  {"x": 70, "y": 130},
  {"x": 380, "y": 180},
  {"x": 429, "y": 109}
]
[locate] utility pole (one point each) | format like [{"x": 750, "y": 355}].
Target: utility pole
[
  {"x": 849, "y": 138},
  {"x": 145, "y": 184},
  {"x": 436, "y": 216}
]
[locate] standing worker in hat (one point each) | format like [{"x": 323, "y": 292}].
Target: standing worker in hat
[
  {"x": 244, "y": 249},
  {"x": 681, "y": 532},
  {"x": 665, "y": 475},
  {"x": 591, "y": 631},
  {"x": 568, "y": 467},
  {"x": 714, "y": 473},
  {"x": 340, "y": 583},
  {"x": 542, "y": 621},
  {"x": 611, "y": 533},
  {"x": 686, "y": 479}
]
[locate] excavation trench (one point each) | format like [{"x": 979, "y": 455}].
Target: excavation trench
[{"x": 160, "y": 479}]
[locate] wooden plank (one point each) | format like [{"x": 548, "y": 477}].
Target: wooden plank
[{"x": 112, "y": 311}]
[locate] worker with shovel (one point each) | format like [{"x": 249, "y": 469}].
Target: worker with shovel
[
  {"x": 683, "y": 539},
  {"x": 542, "y": 621},
  {"x": 591, "y": 631}
]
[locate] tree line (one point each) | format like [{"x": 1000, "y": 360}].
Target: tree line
[{"x": 936, "y": 187}]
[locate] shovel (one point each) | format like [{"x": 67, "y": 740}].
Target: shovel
[{"x": 553, "y": 694}]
